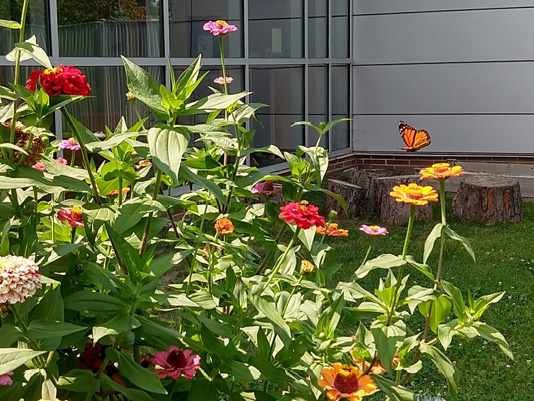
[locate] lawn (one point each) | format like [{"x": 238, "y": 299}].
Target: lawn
[{"x": 505, "y": 262}]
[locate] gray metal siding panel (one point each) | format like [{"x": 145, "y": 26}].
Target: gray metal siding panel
[{"x": 363, "y": 7}]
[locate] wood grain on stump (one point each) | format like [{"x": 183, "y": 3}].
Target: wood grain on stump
[
  {"x": 376, "y": 197},
  {"x": 489, "y": 199},
  {"x": 350, "y": 192}
]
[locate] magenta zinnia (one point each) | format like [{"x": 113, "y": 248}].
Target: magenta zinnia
[
  {"x": 5, "y": 380},
  {"x": 219, "y": 27},
  {"x": 374, "y": 230},
  {"x": 69, "y": 144},
  {"x": 176, "y": 362},
  {"x": 220, "y": 80},
  {"x": 72, "y": 215},
  {"x": 303, "y": 214},
  {"x": 19, "y": 278}
]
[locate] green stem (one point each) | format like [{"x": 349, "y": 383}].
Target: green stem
[
  {"x": 148, "y": 226},
  {"x": 36, "y": 197},
  {"x": 72, "y": 158},
  {"x": 210, "y": 267},
  {"x": 173, "y": 389},
  {"x": 24, "y": 327},
  {"x": 72, "y": 235},
  {"x": 221, "y": 47},
  {"x": 368, "y": 250},
  {"x": 120, "y": 188}
]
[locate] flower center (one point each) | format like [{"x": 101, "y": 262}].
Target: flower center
[
  {"x": 373, "y": 228},
  {"x": 177, "y": 359},
  {"x": 221, "y": 22},
  {"x": 414, "y": 193},
  {"x": 76, "y": 213},
  {"x": 72, "y": 141},
  {"x": 346, "y": 381}
]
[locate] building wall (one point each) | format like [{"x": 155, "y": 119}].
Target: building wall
[{"x": 462, "y": 69}]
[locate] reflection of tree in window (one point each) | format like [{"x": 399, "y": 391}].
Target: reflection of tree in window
[{"x": 76, "y": 11}]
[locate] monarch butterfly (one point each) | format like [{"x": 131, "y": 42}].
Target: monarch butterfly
[{"x": 414, "y": 139}]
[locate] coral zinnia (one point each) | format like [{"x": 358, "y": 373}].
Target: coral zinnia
[
  {"x": 266, "y": 188},
  {"x": 332, "y": 230},
  {"x": 72, "y": 215},
  {"x": 306, "y": 267},
  {"x": 176, "y": 362},
  {"x": 220, "y": 80},
  {"x": 441, "y": 171},
  {"x": 219, "y": 27},
  {"x": 224, "y": 226},
  {"x": 19, "y": 278},
  {"x": 303, "y": 214},
  {"x": 60, "y": 81},
  {"x": 414, "y": 194},
  {"x": 374, "y": 230},
  {"x": 344, "y": 381}
]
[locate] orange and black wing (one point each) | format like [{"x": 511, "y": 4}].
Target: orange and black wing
[{"x": 414, "y": 139}]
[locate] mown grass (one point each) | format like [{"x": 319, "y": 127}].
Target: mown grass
[{"x": 505, "y": 262}]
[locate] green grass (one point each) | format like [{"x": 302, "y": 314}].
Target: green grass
[{"x": 505, "y": 262}]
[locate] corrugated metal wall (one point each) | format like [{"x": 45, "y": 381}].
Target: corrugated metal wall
[{"x": 462, "y": 69}]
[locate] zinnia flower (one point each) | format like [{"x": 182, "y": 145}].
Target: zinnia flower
[
  {"x": 125, "y": 190},
  {"x": 306, "y": 267},
  {"x": 441, "y": 171},
  {"x": 414, "y": 194},
  {"x": 266, "y": 188},
  {"x": 142, "y": 163},
  {"x": 332, "y": 230},
  {"x": 72, "y": 215},
  {"x": 39, "y": 166},
  {"x": 374, "y": 230},
  {"x": 19, "y": 279},
  {"x": 35, "y": 148},
  {"x": 220, "y": 80},
  {"x": 303, "y": 214},
  {"x": 5, "y": 380},
  {"x": 62, "y": 160},
  {"x": 219, "y": 27},
  {"x": 344, "y": 381},
  {"x": 378, "y": 368},
  {"x": 60, "y": 81},
  {"x": 176, "y": 362},
  {"x": 130, "y": 96},
  {"x": 69, "y": 144},
  {"x": 224, "y": 226},
  {"x": 92, "y": 358}
]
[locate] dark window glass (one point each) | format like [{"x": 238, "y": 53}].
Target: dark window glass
[
  {"x": 317, "y": 101},
  {"x": 340, "y": 106},
  {"x": 36, "y": 23},
  {"x": 188, "y": 38},
  {"x": 108, "y": 101},
  {"x": 313, "y": 136},
  {"x": 340, "y": 133},
  {"x": 275, "y": 28},
  {"x": 110, "y": 28},
  {"x": 317, "y": 29},
  {"x": 282, "y": 89},
  {"x": 340, "y": 29}
]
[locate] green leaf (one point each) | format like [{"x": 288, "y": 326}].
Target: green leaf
[
  {"x": 14, "y": 147},
  {"x": 94, "y": 303},
  {"x": 268, "y": 309},
  {"x": 167, "y": 146},
  {"x": 203, "y": 389},
  {"x": 12, "y": 358},
  {"x": 155, "y": 334},
  {"x": 455, "y": 236},
  {"x": 491, "y": 334},
  {"x": 133, "y": 210},
  {"x": 394, "y": 391},
  {"x": 484, "y": 302},
  {"x": 30, "y": 49},
  {"x": 188, "y": 175},
  {"x": 43, "y": 329},
  {"x": 110, "y": 143},
  {"x": 457, "y": 299},
  {"x": 78, "y": 381},
  {"x": 139, "y": 376},
  {"x": 145, "y": 88},
  {"x": 117, "y": 325},
  {"x": 4, "y": 23},
  {"x": 430, "y": 240},
  {"x": 441, "y": 307},
  {"x": 385, "y": 261},
  {"x": 446, "y": 332},
  {"x": 130, "y": 393},
  {"x": 423, "y": 268},
  {"x": 386, "y": 339},
  {"x": 445, "y": 367},
  {"x": 217, "y": 101}
]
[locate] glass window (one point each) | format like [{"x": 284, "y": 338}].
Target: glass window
[
  {"x": 276, "y": 28},
  {"x": 317, "y": 29},
  {"x": 188, "y": 38},
  {"x": 340, "y": 29},
  {"x": 340, "y": 106},
  {"x": 108, "y": 101},
  {"x": 282, "y": 89},
  {"x": 110, "y": 28},
  {"x": 340, "y": 133},
  {"x": 317, "y": 101},
  {"x": 36, "y": 23}
]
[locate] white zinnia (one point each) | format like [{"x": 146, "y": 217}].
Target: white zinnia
[{"x": 19, "y": 279}]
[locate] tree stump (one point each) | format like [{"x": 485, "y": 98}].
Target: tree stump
[
  {"x": 489, "y": 199},
  {"x": 376, "y": 198},
  {"x": 350, "y": 192}
]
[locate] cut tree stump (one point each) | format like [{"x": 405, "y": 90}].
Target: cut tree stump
[
  {"x": 489, "y": 199},
  {"x": 350, "y": 192}
]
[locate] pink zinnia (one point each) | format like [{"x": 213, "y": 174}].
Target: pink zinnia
[
  {"x": 39, "y": 166},
  {"x": 72, "y": 215},
  {"x": 19, "y": 278},
  {"x": 303, "y": 214},
  {"x": 266, "y": 188},
  {"x": 219, "y": 27},
  {"x": 69, "y": 144},
  {"x": 62, "y": 160},
  {"x": 176, "y": 362},
  {"x": 220, "y": 80},
  {"x": 5, "y": 380},
  {"x": 374, "y": 230}
]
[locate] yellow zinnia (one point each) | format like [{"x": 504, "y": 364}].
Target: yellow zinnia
[
  {"x": 441, "y": 171},
  {"x": 414, "y": 194}
]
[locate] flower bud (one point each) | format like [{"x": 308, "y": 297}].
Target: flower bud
[
  {"x": 332, "y": 216},
  {"x": 130, "y": 96}
]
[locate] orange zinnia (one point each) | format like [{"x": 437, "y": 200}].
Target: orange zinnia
[
  {"x": 344, "y": 381},
  {"x": 332, "y": 230},
  {"x": 441, "y": 171},
  {"x": 414, "y": 194},
  {"x": 306, "y": 267},
  {"x": 224, "y": 226}
]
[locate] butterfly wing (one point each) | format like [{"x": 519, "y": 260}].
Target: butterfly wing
[{"x": 414, "y": 139}]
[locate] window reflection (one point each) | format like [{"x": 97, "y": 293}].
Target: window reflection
[
  {"x": 317, "y": 101},
  {"x": 36, "y": 23},
  {"x": 317, "y": 29},
  {"x": 188, "y": 39},
  {"x": 275, "y": 28},
  {"x": 110, "y": 28},
  {"x": 340, "y": 29},
  {"x": 340, "y": 106}
]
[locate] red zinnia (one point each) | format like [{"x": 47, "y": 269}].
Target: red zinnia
[
  {"x": 176, "y": 362},
  {"x": 60, "y": 81},
  {"x": 303, "y": 214},
  {"x": 72, "y": 215}
]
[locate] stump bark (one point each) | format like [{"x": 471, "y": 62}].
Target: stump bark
[
  {"x": 376, "y": 198},
  {"x": 350, "y": 192},
  {"x": 489, "y": 199}
]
